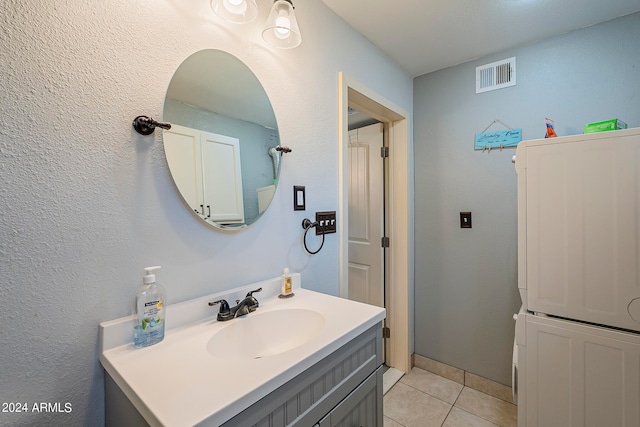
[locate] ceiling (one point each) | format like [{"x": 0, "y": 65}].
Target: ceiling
[{"x": 428, "y": 35}]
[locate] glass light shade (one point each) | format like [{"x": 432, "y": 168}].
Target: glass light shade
[
  {"x": 238, "y": 11},
  {"x": 282, "y": 30}
]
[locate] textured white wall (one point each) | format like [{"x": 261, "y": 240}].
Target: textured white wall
[
  {"x": 466, "y": 280},
  {"x": 87, "y": 202}
]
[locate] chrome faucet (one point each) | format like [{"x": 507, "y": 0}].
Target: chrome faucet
[{"x": 246, "y": 306}]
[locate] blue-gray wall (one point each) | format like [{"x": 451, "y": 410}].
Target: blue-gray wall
[
  {"x": 466, "y": 279},
  {"x": 87, "y": 203}
]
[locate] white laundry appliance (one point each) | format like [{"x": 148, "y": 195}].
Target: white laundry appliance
[{"x": 577, "y": 344}]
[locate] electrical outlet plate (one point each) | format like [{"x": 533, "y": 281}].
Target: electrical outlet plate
[{"x": 326, "y": 221}]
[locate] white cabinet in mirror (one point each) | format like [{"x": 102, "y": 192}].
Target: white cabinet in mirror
[
  {"x": 206, "y": 168},
  {"x": 221, "y": 147}
]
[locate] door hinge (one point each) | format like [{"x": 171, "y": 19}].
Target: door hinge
[
  {"x": 384, "y": 152},
  {"x": 385, "y": 242},
  {"x": 386, "y": 332}
]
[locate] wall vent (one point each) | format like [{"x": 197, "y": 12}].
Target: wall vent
[{"x": 496, "y": 75}]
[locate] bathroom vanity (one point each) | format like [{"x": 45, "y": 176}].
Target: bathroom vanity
[{"x": 309, "y": 360}]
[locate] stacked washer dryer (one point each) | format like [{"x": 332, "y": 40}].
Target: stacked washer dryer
[{"x": 577, "y": 349}]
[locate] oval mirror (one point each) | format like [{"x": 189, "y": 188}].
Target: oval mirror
[{"x": 221, "y": 145}]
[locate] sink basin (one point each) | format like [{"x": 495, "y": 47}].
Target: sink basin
[{"x": 259, "y": 335}]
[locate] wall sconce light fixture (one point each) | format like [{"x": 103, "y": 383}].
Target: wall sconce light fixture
[
  {"x": 282, "y": 30},
  {"x": 237, "y": 11}
]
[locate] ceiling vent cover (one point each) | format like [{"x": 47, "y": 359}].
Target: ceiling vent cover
[{"x": 496, "y": 75}]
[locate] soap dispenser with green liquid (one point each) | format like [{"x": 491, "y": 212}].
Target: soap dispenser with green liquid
[{"x": 149, "y": 313}]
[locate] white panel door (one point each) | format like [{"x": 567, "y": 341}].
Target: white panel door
[
  {"x": 580, "y": 376},
  {"x": 222, "y": 178},
  {"x": 182, "y": 149},
  {"x": 583, "y": 227},
  {"x": 366, "y": 215}
]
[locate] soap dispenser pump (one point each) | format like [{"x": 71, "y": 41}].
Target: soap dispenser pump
[{"x": 149, "y": 315}]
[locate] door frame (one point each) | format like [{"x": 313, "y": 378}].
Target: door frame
[{"x": 399, "y": 264}]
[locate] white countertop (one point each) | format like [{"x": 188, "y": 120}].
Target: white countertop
[{"x": 177, "y": 382}]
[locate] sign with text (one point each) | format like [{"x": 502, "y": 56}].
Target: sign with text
[{"x": 498, "y": 139}]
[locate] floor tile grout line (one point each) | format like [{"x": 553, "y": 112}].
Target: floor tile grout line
[
  {"x": 477, "y": 415},
  {"x": 463, "y": 387},
  {"x": 394, "y": 420},
  {"x": 464, "y": 381},
  {"x": 446, "y": 416},
  {"x": 452, "y": 404},
  {"x": 429, "y": 394},
  {"x": 435, "y": 397}
]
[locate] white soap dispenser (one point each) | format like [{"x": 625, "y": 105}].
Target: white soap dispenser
[
  {"x": 286, "y": 287},
  {"x": 148, "y": 326}
]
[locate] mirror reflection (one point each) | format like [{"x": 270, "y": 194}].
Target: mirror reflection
[{"x": 221, "y": 146}]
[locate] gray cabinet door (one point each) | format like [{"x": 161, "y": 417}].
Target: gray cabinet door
[{"x": 362, "y": 408}]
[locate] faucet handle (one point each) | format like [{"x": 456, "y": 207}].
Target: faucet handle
[
  {"x": 252, "y": 301},
  {"x": 250, "y": 294},
  {"x": 224, "y": 306}
]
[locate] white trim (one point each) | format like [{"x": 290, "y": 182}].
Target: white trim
[{"x": 400, "y": 219}]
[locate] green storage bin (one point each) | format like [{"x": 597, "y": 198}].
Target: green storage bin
[{"x": 605, "y": 126}]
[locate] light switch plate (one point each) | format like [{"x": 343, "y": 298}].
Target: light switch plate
[
  {"x": 326, "y": 221},
  {"x": 465, "y": 219},
  {"x": 299, "y": 203}
]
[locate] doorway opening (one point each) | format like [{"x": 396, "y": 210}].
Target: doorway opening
[{"x": 398, "y": 256}]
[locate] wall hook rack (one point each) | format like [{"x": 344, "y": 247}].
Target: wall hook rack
[
  {"x": 486, "y": 141},
  {"x": 145, "y": 125}
]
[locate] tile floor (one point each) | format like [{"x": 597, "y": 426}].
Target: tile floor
[{"x": 424, "y": 399}]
